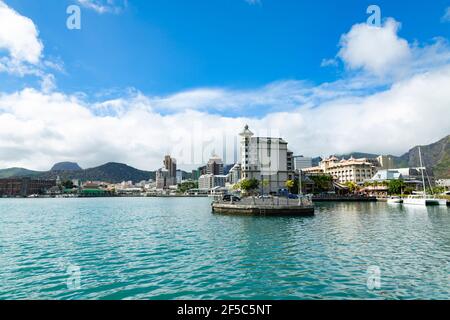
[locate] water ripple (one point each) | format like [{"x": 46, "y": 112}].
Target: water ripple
[{"x": 176, "y": 249}]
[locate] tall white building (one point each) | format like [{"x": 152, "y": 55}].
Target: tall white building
[{"x": 265, "y": 159}]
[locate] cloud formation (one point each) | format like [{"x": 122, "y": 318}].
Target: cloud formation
[
  {"x": 446, "y": 16},
  {"x": 104, "y": 6},
  {"x": 19, "y": 37},
  {"x": 365, "y": 111},
  {"x": 37, "y": 128},
  {"x": 374, "y": 49},
  {"x": 21, "y": 49}
]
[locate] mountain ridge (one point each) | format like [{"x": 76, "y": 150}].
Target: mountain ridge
[{"x": 435, "y": 156}]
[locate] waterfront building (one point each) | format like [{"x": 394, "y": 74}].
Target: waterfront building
[
  {"x": 234, "y": 175},
  {"x": 23, "y": 187},
  {"x": 386, "y": 175},
  {"x": 215, "y": 166},
  {"x": 301, "y": 162},
  {"x": 210, "y": 181},
  {"x": 265, "y": 158},
  {"x": 411, "y": 176},
  {"x": 351, "y": 170}
]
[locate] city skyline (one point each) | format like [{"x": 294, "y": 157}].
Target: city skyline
[{"x": 65, "y": 98}]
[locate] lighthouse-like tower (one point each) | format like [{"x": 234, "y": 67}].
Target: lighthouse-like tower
[{"x": 246, "y": 136}]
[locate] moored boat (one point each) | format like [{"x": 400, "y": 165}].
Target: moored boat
[
  {"x": 421, "y": 201},
  {"x": 395, "y": 200},
  {"x": 424, "y": 199}
]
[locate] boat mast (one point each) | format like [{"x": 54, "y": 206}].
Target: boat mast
[
  {"x": 300, "y": 188},
  {"x": 423, "y": 177}
]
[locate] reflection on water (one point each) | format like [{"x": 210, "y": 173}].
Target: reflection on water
[{"x": 175, "y": 248}]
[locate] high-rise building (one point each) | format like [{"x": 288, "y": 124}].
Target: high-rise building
[
  {"x": 265, "y": 158},
  {"x": 215, "y": 166},
  {"x": 171, "y": 165},
  {"x": 167, "y": 176}
]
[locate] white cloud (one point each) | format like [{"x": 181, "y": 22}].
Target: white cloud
[
  {"x": 329, "y": 63},
  {"x": 21, "y": 49},
  {"x": 38, "y": 129},
  {"x": 374, "y": 49},
  {"x": 19, "y": 36},
  {"x": 446, "y": 16},
  {"x": 105, "y": 6}
]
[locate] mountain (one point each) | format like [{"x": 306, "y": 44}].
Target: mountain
[
  {"x": 110, "y": 172},
  {"x": 435, "y": 156},
  {"x": 17, "y": 172},
  {"x": 66, "y": 166},
  {"x": 358, "y": 155}
]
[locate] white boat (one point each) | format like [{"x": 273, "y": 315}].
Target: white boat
[
  {"x": 442, "y": 202},
  {"x": 424, "y": 199},
  {"x": 395, "y": 200},
  {"x": 421, "y": 201}
]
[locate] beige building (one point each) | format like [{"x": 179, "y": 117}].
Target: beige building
[{"x": 351, "y": 170}]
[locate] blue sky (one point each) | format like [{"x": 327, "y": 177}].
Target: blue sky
[
  {"x": 163, "y": 46},
  {"x": 153, "y": 73}
]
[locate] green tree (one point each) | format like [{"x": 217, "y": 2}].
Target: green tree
[
  {"x": 249, "y": 185},
  {"x": 322, "y": 183},
  {"x": 396, "y": 186},
  {"x": 68, "y": 184},
  {"x": 187, "y": 185},
  {"x": 352, "y": 187},
  {"x": 290, "y": 184}
]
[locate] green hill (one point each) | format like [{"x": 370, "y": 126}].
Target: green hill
[
  {"x": 110, "y": 172},
  {"x": 17, "y": 172},
  {"x": 435, "y": 156}
]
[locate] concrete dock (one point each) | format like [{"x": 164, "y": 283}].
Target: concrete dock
[{"x": 253, "y": 207}]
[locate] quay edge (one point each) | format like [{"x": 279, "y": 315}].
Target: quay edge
[{"x": 255, "y": 210}]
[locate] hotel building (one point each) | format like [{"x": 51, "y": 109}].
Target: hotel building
[{"x": 352, "y": 170}]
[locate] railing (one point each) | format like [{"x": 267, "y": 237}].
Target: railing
[{"x": 269, "y": 202}]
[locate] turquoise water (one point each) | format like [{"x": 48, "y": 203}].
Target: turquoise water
[{"x": 155, "y": 248}]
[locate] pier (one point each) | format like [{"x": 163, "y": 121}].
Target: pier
[{"x": 265, "y": 207}]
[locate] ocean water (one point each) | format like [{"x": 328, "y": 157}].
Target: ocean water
[{"x": 158, "y": 248}]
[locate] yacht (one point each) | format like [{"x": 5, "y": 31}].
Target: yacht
[{"x": 424, "y": 199}]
